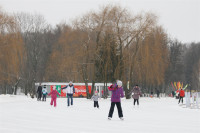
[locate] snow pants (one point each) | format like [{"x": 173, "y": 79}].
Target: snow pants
[
  {"x": 53, "y": 100},
  {"x": 118, "y": 104},
  {"x": 180, "y": 98},
  {"x": 43, "y": 97},
  {"x": 136, "y": 100},
  {"x": 39, "y": 96},
  {"x": 96, "y": 104}
]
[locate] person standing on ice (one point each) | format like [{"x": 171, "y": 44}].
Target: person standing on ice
[
  {"x": 96, "y": 97},
  {"x": 181, "y": 95},
  {"x": 158, "y": 93},
  {"x": 39, "y": 92},
  {"x": 70, "y": 90},
  {"x": 44, "y": 94},
  {"x": 102, "y": 93},
  {"x": 136, "y": 91},
  {"x": 117, "y": 93},
  {"x": 53, "y": 94}
]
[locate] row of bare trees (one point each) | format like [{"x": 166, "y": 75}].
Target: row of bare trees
[{"x": 100, "y": 46}]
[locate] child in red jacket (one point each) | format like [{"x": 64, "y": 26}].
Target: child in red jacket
[
  {"x": 53, "y": 94},
  {"x": 181, "y": 95}
]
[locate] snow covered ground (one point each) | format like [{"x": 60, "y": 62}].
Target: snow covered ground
[{"x": 19, "y": 114}]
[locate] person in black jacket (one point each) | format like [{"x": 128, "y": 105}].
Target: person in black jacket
[
  {"x": 158, "y": 93},
  {"x": 39, "y": 92}
]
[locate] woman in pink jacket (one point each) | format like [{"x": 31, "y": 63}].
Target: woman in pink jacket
[{"x": 53, "y": 94}]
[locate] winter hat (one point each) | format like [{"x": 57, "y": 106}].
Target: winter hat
[
  {"x": 54, "y": 87},
  {"x": 70, "y": 82},
  {"x": 119, "y": 83}
]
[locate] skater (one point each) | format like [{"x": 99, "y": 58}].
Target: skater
[
  {"x": 39, "y": 92},
  {"x": 136, "y": 93},
  {"x": 158, "y": 93},
  {"x": 53, "y": 94},
  {"x": 173, "y": 93},
  {"x": 151, "y": 94},
  {"x": 177, "y": 94},
  {"x": 70, "y": 91},
  {"x": 181, "y": 95},
  {"x": 44, "y": 93},
  {"x": 102, "y": 93},
  {"x": 96, "y": 97},
  {"x": 117, "y": 92}
]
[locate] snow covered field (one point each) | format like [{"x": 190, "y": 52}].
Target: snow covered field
[{"x": 19, "y": 114}]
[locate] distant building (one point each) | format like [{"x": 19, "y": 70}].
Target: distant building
[{"x": 80, "y": 88}]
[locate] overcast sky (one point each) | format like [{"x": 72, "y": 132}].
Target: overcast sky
[{"x": 180, "y": 18}]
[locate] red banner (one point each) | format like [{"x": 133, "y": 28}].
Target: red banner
[
  {"x": 81, "y": 90},
  {"x": 52, "y": 87},
  {"x": 63, "y": 91}
]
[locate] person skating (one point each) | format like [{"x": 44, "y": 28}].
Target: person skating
[
  {"x": 102, "y": 93},
  {"x": 173, "y": 93},
  {"x": 181, "y": 95},
  {"x": 178, "y": 94},
  {"x": 96, "y": 97},
  {"x": 136, "y": 93},
  {"x": 39, "y": 92},
  {"x": 158, "y": 93},
  {"x": 117, "y": 93},
  {"x": 53, "y": 94},
  {"x": 70, "y": 90},
  {"x": 44, "y": 94}
]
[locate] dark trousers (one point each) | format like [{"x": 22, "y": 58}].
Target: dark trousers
[
  {"x": 69, "y": 96},
  {"x": 39, "y": 96},
  {"x": 136, "y": 100},
  {"x": 180, "y": 98},
  {"x": 118, "y": 104},
  {"x": 43, "y": 97},
  {"x": 96, "y": 104}
]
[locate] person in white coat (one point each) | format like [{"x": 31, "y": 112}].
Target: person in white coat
[{"x": 70, "y": 91}]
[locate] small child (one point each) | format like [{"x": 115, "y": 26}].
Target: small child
[
  {"x": 95, "y": 97},
  {"x": 53, "y": 94},
  {"x": 44, "y": 94}
]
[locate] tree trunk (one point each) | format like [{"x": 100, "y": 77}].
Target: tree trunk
[{"x": 16, "y": 85}]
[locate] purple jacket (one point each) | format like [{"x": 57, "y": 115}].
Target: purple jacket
[
  {"x": 137, "y": 92},
  {"x": 116, "y": 93}
]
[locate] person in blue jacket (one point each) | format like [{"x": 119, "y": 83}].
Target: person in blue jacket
[
  {"x": 70, "y": 90},
  {"x": 44, "y": 93}
]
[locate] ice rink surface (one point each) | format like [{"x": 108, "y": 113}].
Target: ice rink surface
[{"x": 19, "y": 114}]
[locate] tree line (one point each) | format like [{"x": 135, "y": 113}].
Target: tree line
[{"x": 100, "y": 46}]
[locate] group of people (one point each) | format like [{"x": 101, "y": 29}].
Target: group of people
[
  {"x": 69, "y": 89},
  {"x": 117, "y": 93},
  {"x": 42, "y": 93}
]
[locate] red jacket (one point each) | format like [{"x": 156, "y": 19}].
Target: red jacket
[
  {"x": 182, "y": 93},
  {"x": 54, "y": 94}
]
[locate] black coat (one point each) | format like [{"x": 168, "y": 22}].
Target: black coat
[{"x": 39, "y": 90}]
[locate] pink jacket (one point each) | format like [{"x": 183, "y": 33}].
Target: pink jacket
[{"x": 54, "y": 94}]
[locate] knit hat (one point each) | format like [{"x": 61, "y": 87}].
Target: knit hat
[
  {"x": 70, "y": 82},
  {"x": 119, "y": 83}
]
